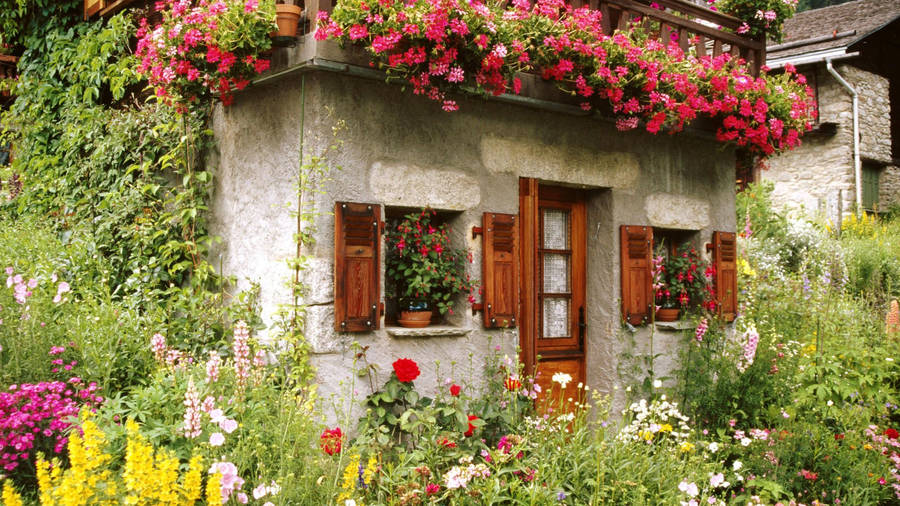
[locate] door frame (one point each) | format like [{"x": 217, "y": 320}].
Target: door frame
[{"x": 532, "y": 197}]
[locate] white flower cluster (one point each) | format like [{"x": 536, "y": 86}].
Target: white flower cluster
[
  {"x": 459, "y": 477},
  {"x": 654, "y": 421}
]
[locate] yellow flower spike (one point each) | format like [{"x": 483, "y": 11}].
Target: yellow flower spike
[
  {"x": 45, "y": 484},
  {"x": 193, "y": 480},
  {"x": 214, "y": 490},
  {"x": 371, "y": 467},
  {"x": 10, "y": 496}
]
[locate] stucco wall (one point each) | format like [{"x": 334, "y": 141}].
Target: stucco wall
[
  {"x": 811, "y": 175},
  {"x": 401, "y": 150}
]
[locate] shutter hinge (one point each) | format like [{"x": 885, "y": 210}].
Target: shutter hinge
[
  {"x": 476, "y": 231},
  {"x": 476, "y": 308},
  {"x": 710, "y": 247}
]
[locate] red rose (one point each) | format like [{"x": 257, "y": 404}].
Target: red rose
[
  {"x": 891, "y": 433},
  {"x": 406, "y": 370},
  {"x": 454, "y": 390},
  {"x": 471, "y": 427},
  {"x": 512, "y": 384},
  {"x": 330, "y": 440}
]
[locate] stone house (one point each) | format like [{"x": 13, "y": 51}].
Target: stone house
[
  {"x": 847, "y": 54},
  {"x": 557, "y": 206}
]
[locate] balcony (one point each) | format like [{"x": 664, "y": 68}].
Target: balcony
[
  {"x": 707, "y": 32},
  {"x": 695, "y": 28}
]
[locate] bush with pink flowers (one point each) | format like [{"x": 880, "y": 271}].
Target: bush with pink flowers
[
  {"x": 36, "y": 418},
  {"x": 203, "y": 49},
  {"x": 442, "y": 47}
]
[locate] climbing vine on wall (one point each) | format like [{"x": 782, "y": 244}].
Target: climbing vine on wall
[{"x": 105, "y": 161}]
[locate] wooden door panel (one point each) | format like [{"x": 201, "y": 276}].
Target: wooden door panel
[{"x": 552, "y": 394}]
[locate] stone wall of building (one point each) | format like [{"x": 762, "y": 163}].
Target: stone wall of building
[
  {"x": 403, "y": 152},
  {"x": 812, "y": 175},
  {"x": 890, "y": 187}
]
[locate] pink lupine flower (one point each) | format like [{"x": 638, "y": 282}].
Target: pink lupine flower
[
  {"x": 212, "y": 367},
  {"x": 192, "y": 427},
  {"x": 158, "y": 345},
  {"x": 241, "y": 351}
]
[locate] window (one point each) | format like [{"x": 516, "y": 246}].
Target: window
[
  {"x": 358, "y": 250},
  {"x": 636, "y": 247},
  {"x": 435, "y": 232}
]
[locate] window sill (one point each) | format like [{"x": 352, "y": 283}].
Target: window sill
[
  {"x": 432, "y": 331},
  {"x": 674, "y": 326}
]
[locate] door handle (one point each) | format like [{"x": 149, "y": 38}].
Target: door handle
[{"x": 581, "y": 327}]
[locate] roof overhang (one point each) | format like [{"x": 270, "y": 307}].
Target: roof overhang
[{"x": 835, "y": 53}]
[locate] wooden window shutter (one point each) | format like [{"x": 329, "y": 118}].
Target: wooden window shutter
[
  {"x": 636, "y": 245},
  {"x": 357, "y": 262},
  {"x": 92, "y": 7},
  {"x": 725, "y": 261},
  {"x": 500, "y": 269}
]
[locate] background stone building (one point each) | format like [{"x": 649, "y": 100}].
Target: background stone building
[{"x": 860, "y": 40}]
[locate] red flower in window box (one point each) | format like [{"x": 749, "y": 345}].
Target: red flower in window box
[
  {"x": 406, "y": 370},
  {"x": 471, "y": 427},
  {"x": 330, "y": 440}
]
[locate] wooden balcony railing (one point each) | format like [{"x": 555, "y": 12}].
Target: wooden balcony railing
[
  {"x": 104, "y": 8},
  {"x": 708, "y": 32}
]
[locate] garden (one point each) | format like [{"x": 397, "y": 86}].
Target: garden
[{"x": 131, "y": 372}]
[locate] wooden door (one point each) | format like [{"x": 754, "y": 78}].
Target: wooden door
[{"x": 553, "y": 330}]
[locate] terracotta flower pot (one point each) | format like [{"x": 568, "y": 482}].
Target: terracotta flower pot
[
  {"x": 287, "y": 17},
  {"x": 667, "y": 314},
  {"x": 415, "y": 319}
]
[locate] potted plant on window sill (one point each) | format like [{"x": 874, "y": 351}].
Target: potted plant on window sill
[
  {"x": 424, "y": 273},
  {"x": 681, "y": 279}
]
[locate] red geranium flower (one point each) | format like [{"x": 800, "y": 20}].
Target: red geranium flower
[
  {"x": 809, "y": 475},
  {"x": 891, "y": 433},
  {"x": 454, "y": 390},
  {"x": 838, "y": 437},
  {"x": 406, "y": 370},
  {"x": 432, "y": 488},
  {"x": 330, "y": 440},
  {"x": 512, "y": 384},
  {"x": 446, "y": 443},
  {"x": 471, "y": 427}
]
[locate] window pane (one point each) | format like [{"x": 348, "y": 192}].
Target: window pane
[
  {"x": 556, "y": 229},
  {"x": 556, "y": 273},
  {"x": 556, "y": 318}
]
